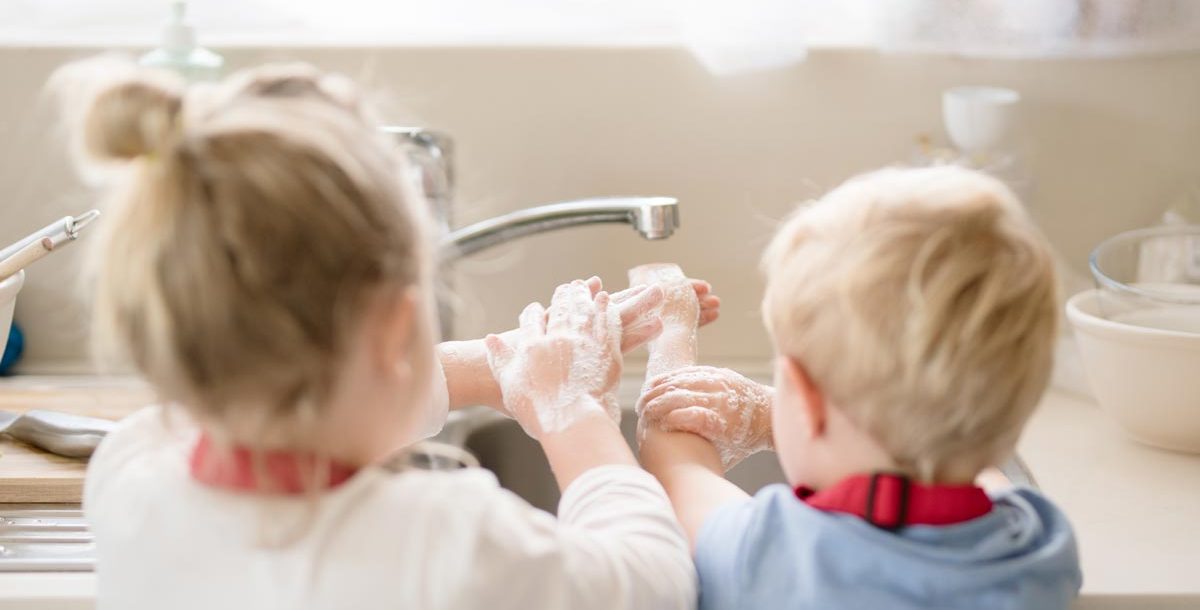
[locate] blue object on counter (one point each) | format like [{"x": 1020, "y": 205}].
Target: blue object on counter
[{"x": 13, "y": 350}]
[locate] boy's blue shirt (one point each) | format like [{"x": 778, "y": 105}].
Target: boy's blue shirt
[{"x": 774, "y": 551}]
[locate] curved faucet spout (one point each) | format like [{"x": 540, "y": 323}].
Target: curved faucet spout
[{"x": 652, "y": 217}]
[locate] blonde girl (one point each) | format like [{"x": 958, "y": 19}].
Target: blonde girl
[{"x": 269, "y": 274}]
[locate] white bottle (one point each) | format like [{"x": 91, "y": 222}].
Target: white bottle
[{"x": 179, "y": 51}]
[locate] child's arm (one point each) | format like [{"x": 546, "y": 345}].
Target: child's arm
[
  {"x": 615, "y": 545},
  {"x": 690, "y": 469},
  {"x": 592, "y": 442},
  {"x": 470, "y": 383},
  {"x": 700, "y": 421},
  {"x": 558, "y": 375},
  {"x": 468, "y": 380}
]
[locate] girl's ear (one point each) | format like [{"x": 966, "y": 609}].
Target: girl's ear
[
  {"x": 396, "y": 329},
  {"x": 811, "y": 401}
]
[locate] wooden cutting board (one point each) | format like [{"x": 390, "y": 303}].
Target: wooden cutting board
[{"x": 30, "y": 475}]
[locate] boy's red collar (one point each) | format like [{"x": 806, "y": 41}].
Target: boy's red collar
[
  {"x": 279, "y": 472},
  {"x": 892, "y": 501}
]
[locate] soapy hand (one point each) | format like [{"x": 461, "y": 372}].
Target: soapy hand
[
  {"x": 720, "y": 405},
  {"x": 564, "y": 362},
  {"x": 641, "y": 319}
]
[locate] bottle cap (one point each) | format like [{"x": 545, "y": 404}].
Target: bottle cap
[{"x": 178, "y": 35}]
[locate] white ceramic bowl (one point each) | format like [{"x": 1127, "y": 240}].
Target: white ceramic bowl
[
  {"x": 8, "y": 301},
  {"x": 1147, "y": 378}
]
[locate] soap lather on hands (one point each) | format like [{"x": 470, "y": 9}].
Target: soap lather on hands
[
  {"x": 643, "y": 312},
  {"x": 632, "y": 318},
  {"x": 728, "y": 409},
  {"x": 719, "y": 405},
  {"x": 565, "y": 363}
]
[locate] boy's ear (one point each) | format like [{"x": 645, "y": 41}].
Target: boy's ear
[{"x": 812, "y": 402}]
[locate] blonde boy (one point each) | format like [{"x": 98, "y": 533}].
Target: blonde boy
[{"x": 913, "y": 313}]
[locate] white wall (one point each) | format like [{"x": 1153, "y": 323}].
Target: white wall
[{"x": 1116, "y": 141}]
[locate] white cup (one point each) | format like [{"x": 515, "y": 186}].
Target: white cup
[{"x": 979, "y": 119}]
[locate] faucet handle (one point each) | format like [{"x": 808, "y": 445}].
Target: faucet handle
[{"x": 431, "y": 154}]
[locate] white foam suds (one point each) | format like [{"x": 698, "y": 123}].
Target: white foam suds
[
  {"x": 566, "y": 374},
  {"x": 726, "y": 408}
]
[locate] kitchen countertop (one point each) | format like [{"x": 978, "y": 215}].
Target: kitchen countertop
[
  {"x": 30, "y": 475},
  {"x": 1134, "y": 509}
]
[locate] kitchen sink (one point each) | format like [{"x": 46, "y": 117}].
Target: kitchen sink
[
  {"x": 518, "y": 462},
  {"x": 502, "y": 447},
  {"x": 44, "y": 537}
]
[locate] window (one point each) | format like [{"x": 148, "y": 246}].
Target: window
[{"x": 754, "y": 29}]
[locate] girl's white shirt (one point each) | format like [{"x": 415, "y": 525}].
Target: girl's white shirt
[{"x": 417, "y": 539}]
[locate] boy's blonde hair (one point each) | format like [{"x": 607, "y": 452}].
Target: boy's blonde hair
[
  {"x": 252, "y": 221},
  {"x": 922, "y": 303}
]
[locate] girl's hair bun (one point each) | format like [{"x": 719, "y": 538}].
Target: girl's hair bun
[{"x": 121, "y": 112}]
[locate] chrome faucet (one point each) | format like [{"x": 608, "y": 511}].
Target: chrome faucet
[
  {"x": 431, "y": 153},
  {"x": 652, "y": 217}
]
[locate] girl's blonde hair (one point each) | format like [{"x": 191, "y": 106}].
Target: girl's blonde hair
[
  {"x": 252, "y": 220},
  {"x": 922, "y": 302}
]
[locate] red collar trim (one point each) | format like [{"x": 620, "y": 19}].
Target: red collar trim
[
  {"x": 892, "y": 501},
  {"x": 278, "y": 472}
]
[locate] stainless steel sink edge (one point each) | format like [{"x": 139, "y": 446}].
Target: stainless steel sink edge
[{"x": 45, "y": 538}]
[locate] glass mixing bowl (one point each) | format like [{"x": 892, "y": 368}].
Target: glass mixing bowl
[{"x": 1150, "y": 277}]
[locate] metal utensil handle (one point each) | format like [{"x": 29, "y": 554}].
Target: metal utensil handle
[{"x": 62, "y": 230}]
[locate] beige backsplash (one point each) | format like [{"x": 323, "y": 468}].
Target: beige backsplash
[{"x": 1116, "y": 141}]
